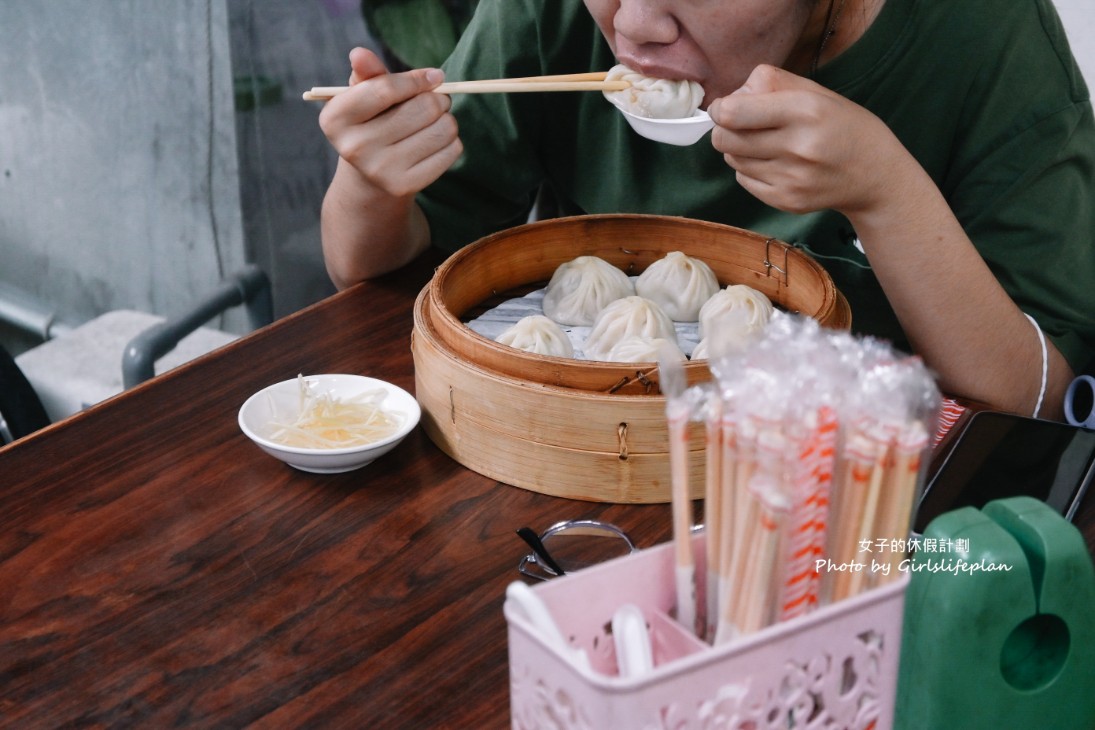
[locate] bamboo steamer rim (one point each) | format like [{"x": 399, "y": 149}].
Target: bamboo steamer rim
[{"x": 528, "y": 255}]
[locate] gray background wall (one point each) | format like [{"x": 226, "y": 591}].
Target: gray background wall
[
  {"x": 117, "y": 150},
  {"x": 117, "y": 153},
  {"x": 128, "y": 179}
]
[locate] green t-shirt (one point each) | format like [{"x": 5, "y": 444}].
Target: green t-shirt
[{"x": 984, "y": 93}]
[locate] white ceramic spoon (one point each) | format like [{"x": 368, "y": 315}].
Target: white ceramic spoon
[{"x": 681, "y": 132}]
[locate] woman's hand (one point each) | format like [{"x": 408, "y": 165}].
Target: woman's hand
[
  {"x": 800, "y": 147},
  {"x": 393, "y": 137},
  {"x": 398, "y": 137}
]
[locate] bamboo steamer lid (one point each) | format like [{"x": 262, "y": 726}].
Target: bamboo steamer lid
[{"x": 570, "y": 428}]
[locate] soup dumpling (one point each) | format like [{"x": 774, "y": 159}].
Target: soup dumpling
[
  {"x": 581, "y": 288},
  {"x": 679, "y": 284},
  {"x": 640, "y": 349},
  {"x": 624, "y": 318},
  {"x": 654, "y": 98},
  {"x": 538, "y": 334},
  {"x": 731, "y": 320},
  {"x": 755, "y": 308}
]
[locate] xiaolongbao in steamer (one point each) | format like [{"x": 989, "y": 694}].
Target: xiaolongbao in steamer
[
  {"x": 538, "y": 334},
  {"x": 679, "y": 284},
  {"x": 728, "y": 332},
  {"x": 654, "y": 98},
  {"x": 630, "y": 316},
  {"x": 756, "y": 309},
  {"x": 640, "y": 349},
  {"x": 581, "y": 288}
]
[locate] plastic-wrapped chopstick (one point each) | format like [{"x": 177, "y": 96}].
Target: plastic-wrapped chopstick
[
  {"x": 678, "y": 414},
  {"x": 815, "y": 445}
]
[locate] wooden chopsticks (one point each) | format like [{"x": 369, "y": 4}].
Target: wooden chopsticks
[{"x": 593, "y": 81}]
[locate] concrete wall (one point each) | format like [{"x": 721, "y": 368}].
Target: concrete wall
[
  {"x": 118, "y": 169},
  {"x": 128, "y": 179}
]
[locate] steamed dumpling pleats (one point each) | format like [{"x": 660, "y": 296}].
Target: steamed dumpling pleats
[
  {"x": 679, "y": 284},
  {"x": 640, "y": 349},
  {"x": 630, "y": 316},
  {"x": 538, "y": 334},
  {"x": 581, "y": 288},
  {"x": 754, "y": 307},
  {"x": 730, "y": 321},
  {"x": 654, "y": 98}
]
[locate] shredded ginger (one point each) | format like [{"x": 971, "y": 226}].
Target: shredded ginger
[{"x": 324, "y": 421}]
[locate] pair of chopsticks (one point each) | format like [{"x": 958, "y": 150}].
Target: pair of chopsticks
[{"x": 593, "y": 81}]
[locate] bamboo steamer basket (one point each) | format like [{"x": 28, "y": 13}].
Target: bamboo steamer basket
[{"x": 572, "y": 428}]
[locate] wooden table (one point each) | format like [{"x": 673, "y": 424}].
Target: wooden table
[{"x": 158, "y": 570}]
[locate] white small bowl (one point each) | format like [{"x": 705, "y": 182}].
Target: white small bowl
[
  {"x": 258, "y": 412},
  {"x": 681, "y": 132}
]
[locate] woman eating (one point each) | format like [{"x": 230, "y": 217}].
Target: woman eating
[{"x": 936, "y": 157}]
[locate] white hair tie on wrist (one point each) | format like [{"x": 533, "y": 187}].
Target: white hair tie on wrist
[{"x": 1045, "y": 364}]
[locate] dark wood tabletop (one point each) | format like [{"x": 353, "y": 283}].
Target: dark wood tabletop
[{"x": 158, "y": 570}]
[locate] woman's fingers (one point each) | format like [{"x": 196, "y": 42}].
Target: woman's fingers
[
  {"x": 392, "y": 130},
  {"x": 798, "y": 146},
  {"x": 375, "y": 95},
  {"x": 407, "y": 160},
  {"x": 364, "y": 64},
  {"x": 431, "y": 167}
]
